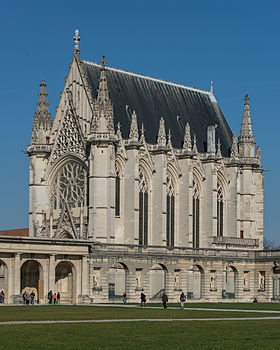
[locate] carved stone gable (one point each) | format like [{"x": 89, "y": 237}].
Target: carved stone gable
[
  {"x": 66, "y": 224},
  {"x": 69, "y": 138}
]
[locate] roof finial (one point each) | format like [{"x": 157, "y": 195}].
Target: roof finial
[
  {"x": 103, "y": 62},
  {"x": 76, "y": 42},
  {"x": 212, "y": 88},
  {"x": 246, "y": 99}
]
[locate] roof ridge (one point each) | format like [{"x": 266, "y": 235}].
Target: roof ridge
[{"x": 150, "y": 78}]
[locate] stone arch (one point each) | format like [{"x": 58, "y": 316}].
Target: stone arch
[
  {"x": 157, "y": 281},
  {"x": 171, "y": 207},
  {"x": 144, "y": 166},
  {"x": 65, "y": 281},
  {"x": 117, "y": 281},
  {"x": 195, "y": 280},
  {"x": 229, "y": 282},
  {"x": 32, "y": 279},
  {"x": 4, "y": 279}
]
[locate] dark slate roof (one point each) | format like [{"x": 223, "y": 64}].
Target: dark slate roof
[{"x": 154, "y": 98}]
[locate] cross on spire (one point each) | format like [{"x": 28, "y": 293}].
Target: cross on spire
[
  {"x": 76, "y": 41},
  {"x": 246, "y": 99},
  {"x": 103, "y": 62}
]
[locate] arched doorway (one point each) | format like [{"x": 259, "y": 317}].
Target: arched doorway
[
  {"x": 3, "y": 279},
  {"x": 229, "y": 278},
  {"x": 157, "y": 281},
  {"x": 194, "y": 282},
  {"x": 32, "y": 279},
  {"x": 64, "y": 282},
  {"x": 117, "y": 281}
]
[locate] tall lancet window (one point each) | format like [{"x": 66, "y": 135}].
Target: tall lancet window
[
  {"x": 143, "y": 208},
  {"x": 118, "y": 193},
  {"x": 170, "y": 212},
  {"x": 196, "y": 213},
  {"x": 220, "y": 210}
]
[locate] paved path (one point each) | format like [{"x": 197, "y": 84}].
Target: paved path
[
  {"x": 141, "y": 320},
  {"x": 190, "y": 308}
]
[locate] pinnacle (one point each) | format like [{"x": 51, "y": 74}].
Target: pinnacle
[{"x": 103, "y": 94}]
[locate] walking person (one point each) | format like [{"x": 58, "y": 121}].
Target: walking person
[
  {"x": 124, "y": 298},
  {"x": 1, "y": 297},
  {"x": 58, "y": 297},
  {"x": 182, "y": 300},
  {"x": 32, "y": 297},
  {"x": 54, "y": 298},
  {"x": 50, "y": 296},
  {"x": 143, "y": 299},
  {"x": 27, "y": 298},
  {"x": 164, "y": 300}
]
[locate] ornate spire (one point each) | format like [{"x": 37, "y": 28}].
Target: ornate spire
[
  {"x": 195, "y": 151},
  {"x": 133, "y": 133},
  {"x": 161, "y": 139},
  {"x": 246, "y": 140},
  {"x": 103, "y": 115},
  {"x": 76, "y": 42},
  {"x": 187, "y": 138},
  {"x": 219, "y": 153},
  {"x": 103, "y": 94},
  {"x": 169, "y": 142},
  {"x": 234, "y": 147},
  {"x": 42, "y": 121}
]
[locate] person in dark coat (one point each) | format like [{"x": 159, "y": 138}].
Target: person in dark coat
[
  {"x": 182, "y": 300},
  {"x": 164, "y": 300},
  {"x": 32, "y": 297},
  {"x": 50, "y": 296},
  {"x": 143, "y": 299}
]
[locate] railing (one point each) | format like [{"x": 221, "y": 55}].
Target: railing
[{"x": 235, "y": 241}]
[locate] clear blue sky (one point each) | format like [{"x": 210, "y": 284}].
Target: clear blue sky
[{"x": 233, "y": 43}]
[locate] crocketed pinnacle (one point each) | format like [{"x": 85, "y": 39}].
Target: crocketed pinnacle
[
  {"x": 219, "y": 153},
  {"x": 187, "y": 138},
  {"x": 103, "y": 93},
  {"x": 195, "y": 151},
  {"x": 133, "y": 133},
  {"x": 234, "y": 147},
  {"x": 42, "y": 121},
  {"x": 246, "y": 133},
  {"x": 169, "y": 142},
  {"x": 161, "y": 139}
]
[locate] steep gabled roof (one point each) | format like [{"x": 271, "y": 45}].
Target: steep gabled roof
[{"x": 154, "y": 98}]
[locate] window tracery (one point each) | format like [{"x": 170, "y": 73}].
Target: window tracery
[
  {"x": 220, "y": 209},
  {"x": 170, "y": 212},
  {"x": 196, "y": 207},
  {"x": 143, "y": 208},
  {"x": 69, "y": 185}
]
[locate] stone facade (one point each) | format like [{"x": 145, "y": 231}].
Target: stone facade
[{"x": 110, "y": 213}]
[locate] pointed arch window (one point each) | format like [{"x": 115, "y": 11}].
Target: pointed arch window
[
  {"x": 196, "y": 213},
  {"x": 118, "y": 193},
  {"x": 220, "y": 210},
  {"x": 170, "y": 212},
  {"x": 143, "y": 208}
]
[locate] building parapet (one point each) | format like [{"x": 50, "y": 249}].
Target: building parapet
[{"x": 234, "y": 242}]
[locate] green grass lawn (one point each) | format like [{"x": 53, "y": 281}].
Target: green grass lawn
[
  {"x": 197, "y": 335},
  {"x": 60, "y": 312}
]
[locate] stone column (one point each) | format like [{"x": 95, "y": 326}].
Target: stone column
[
  {"x": 16, "y": 298},
  {"x": 84, "y": 281},
  {"x": 52, "y": 273}
]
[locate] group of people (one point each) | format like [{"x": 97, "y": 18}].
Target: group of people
[
  {"x": 54, "y": 298},
  {"x": 28, "y": 298},
  {"x": 2, "y": 297},
  {"x": 164, "y": 300}
]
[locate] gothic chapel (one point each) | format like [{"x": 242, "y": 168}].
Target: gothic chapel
[{"x": 138, "y": 185}]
